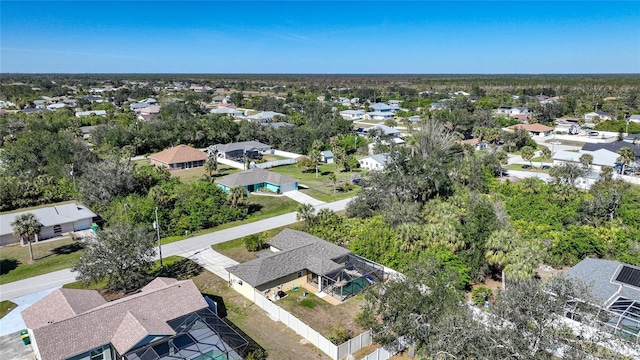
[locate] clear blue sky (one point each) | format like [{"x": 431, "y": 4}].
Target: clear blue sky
[{"x": 424, "y": 37}]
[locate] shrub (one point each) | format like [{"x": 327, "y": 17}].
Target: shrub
[
  {"x": 257, "y": 354},
  {"x": 339, "y": 335},
  {"x": 253, "y": 242},
  {"x": 481, "y": 294}
]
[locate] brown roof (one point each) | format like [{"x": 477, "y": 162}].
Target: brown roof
[
  {"x": 179, "y": 154},
  {"x": 123, "y": 322},
  {"x": 59, "y": 305},
  {"x": 531, "y": 127}
]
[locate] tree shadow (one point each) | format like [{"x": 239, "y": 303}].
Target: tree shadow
[
  {"x": 253, "y": 208},
  {"x": 68, "y": 249},
  {"x": 325, "y": 173},
  {"x": 6, "y": 265},
  {"x": 181, "y": 270},
  {"x": 222, "y": 309}
]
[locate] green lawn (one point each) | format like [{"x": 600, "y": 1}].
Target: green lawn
[
  {"x": 188, "y": 176},
  {"x": 6, "y": 307},
  {"x": 320, "y": 187},
  {"x": 541, "y": 159},
  {"x": 567, "y": 142},
  {"x": 236, "y": 250},
  {"x": 49, "y": 256},
  {"x": 531, "y": 169}
]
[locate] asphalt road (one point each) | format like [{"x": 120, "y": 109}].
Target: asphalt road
[{"x": 58, "y": 278}]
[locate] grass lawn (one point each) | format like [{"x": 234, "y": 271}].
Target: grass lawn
[
  {"x": 541, "y": 159},
  {"x": 188, "y": 176},
  {"x": 321, "y": 315},
  {"x": 273, "y": 157},
  {"x": 319, "y": 187},
  {"x": 567, "y": 142},
  {"x": 6, "y": 307},
  {"x": 50, "y": 255},
  {"x": 236, "y": 250}
]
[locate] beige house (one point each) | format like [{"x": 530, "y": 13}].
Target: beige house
[
  {"x": 297, "y": 259},
  {"x": 179, "y": 157}
]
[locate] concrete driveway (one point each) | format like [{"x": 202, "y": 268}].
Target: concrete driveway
[
  {"x": 302, "y": 198},
  {"x": 212, "y": 261}
]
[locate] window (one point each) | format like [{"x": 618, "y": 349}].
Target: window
[
  {"x": 299, "y": 273},
  {"x": 57, "y": 229},
  {"x": 97, "y": 354}
]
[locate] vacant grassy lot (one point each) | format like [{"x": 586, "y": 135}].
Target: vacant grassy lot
[
  {"x": 236, "y": 250},
  {"x": 49, "y": 256},
  {"x": 320, "y": 187},
  {"x": 188, "y": 176},
  {"x": 525, "y": 167},
  {"x": 6, "y": 307}
]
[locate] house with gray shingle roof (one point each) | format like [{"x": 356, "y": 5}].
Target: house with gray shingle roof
[
  {"x": 166, "y": 319},
  {"x": 238, "y": 150},
  {"x": 615, "y": 287},
  {"x": 297, "y": 259},
  {"x": 255, "y": 179}
]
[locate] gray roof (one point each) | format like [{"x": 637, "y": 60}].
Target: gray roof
[
  {"x": 386, "y": 129},
  {"x": 279, "y": 124},
  {"x": 298, "y": 251},
  {"x": 255, "y": 176},
  {"x": 243, "y": 145},
  {"x": 614, "y": 146},
  {"x": 380, "y": 107},
  {"x": 50, "y": 216},
  {"x": 265, "y": 115},
  {"x": 326, "y": 153},
  {"x": 600, "y": 274}
]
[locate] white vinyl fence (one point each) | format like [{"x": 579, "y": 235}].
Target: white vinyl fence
[
  {"x": 286, "y": 154},
  {"x": 235, "y": 164},
  {"x": 335, "y": 352},
  {"x": 270, "y": 164},
  {"x": 379, "y": 354}
]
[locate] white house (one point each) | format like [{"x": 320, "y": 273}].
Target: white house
[
  {"x": 379, "y": 115},
  {"x": 601, "y": 158},
  {"x": 374, "y": 162},
  {"x": 82, "y": 114},
  {"x": 265, "y": 116},
  {"x": 54, "y": 221},
  {"x": 352, "y": 114},
  {"x": 590, "y": 117},
  {"x": 227, "y": 111},
  {"x": 634, "y": 118}
]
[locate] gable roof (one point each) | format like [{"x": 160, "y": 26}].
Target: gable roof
[
  {"x": 179, "y": 154},
  {"x": 326, "y": 153},
  {"x": 255, "y": 176},
  {"x": 49, "y": 216},
  {"x": 601, "y": 275},
  {"x": 123, "y": 322},
  {"x": 242, "y": 145},
  {"x": 265, "y": 115},
  {"x": 600, "y": 157},
  {"x": 381, "y": 159},
  {"x": 614, "y": 146},
  {"x": 298, "y": 251},
  {"x": 380, "y": 107}
]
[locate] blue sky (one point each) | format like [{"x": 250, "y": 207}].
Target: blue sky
[{"x": 426, "y": 37}]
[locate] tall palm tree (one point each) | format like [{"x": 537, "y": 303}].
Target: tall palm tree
[
  {"x": 627, "y": 156},
  {"x": 211, "y": 165},
  {"x": 545, "y": 153},
  {"x": 528, "y": 153},
  {"x": 25, "y": 227},
  {"x": 500, "y": 245}
]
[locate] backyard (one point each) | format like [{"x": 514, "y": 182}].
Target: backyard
[{"x": 188, "y": 176}]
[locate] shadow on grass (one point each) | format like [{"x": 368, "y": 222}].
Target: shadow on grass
[
  {"x": 68, "y": 249},
  {"x": 253, "y": 208},
  {"x": 253, "y": 348},
  {"x": 181, "y": 270},
  {"x": 6, "y": 265}
]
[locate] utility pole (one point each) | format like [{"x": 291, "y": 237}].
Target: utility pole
[{"x": 156, "y": 226}]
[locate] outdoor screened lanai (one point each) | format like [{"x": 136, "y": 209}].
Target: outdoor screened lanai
[{"x": 357, "y": 274}]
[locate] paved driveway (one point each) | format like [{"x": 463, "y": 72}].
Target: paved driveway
[{"x": 302, "y": 198}]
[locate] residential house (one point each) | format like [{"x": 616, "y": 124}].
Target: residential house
[
  {"x": 386, "y": 130},
  {"x": 240, "y": 150},
  {"x": 477, "y": 144},
  {"x": 533, "y": 129},
  {"x": 54, "y": 221},
  {"x": 166, "y": 319},
  {"x": 634, "y": 118},
  {"x": 56, "y": 106},
  {"x": 437, "y": 106},
  {"x": 380, "y": 107},
  {"x": 278, "y": 124},
  {"x": 504, "y": 110},
  {"x": 601, "y": 157},
  {"x": 179, "y": 157},
  {"x": 615, "y": 289},
  {"x": 379, "y": 115},
  {"x": 220, "y": 99},
  {"x": 613, "y": 147},
  {"x": 81, "y": 114},
  {"x": 265, "y": 116},
  {"x": 461, "y": 93},
  {"x": 228, "y": 111},
  {"x": 256, "y": 179},
  {"x": 414, "y": 118},
  {"x": 326, "y": 156},
  {"x": 39, "y": 104},
  {"x": 352, "y": 114},
  {"x": 597, "y": 115},
  {"x": 374, "y": 162},
  {"x": 297, "y": 259},
  {"x": 518, "y": 110},
  {"x": 394, "y": 103}
]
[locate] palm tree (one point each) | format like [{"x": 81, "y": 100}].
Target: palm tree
[
  {"x": 211, "y": 166},
  {"x": 499, "y": 245},
  {"x": 627, "y": 156},
  {"x": 305, "y": 213},
  {"x": 334, "y": 180},
  {"x": 26, "y": 226},
  {"x": 512, "y": 254},
  {"x": 586, "y": 160},
  {"x": 502, "y": 159},
  {"x": 545, "y": 153},
  {"x": 236, "y": 195},
  {"x": 528, "y": 153}
]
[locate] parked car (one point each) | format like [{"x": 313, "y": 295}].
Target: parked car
[
  {"x": 631, "y": 171},
  {"x": 593, "y": 133},
  {"x": 545, "y": 167}
]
